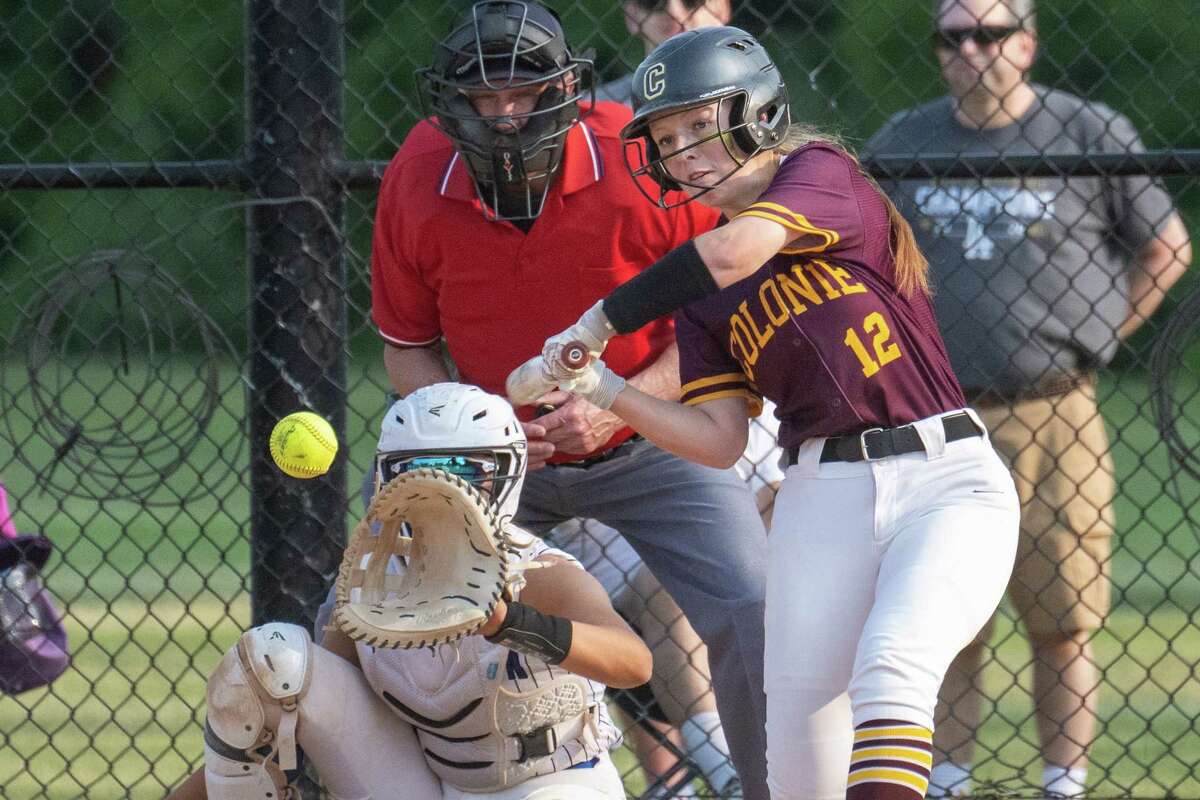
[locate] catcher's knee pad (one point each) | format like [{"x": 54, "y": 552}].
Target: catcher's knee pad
[{"x": 253, "y": 704}]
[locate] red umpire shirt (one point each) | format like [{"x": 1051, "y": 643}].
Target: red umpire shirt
[
  {"x": 820, "y": 328},
  {"x": 439, "y": 269}
]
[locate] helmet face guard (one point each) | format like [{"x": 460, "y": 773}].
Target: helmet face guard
[
  {"x": 722, "y": 66},
  {"x": 496, "y": 471},
  {"x": 642, "y": 156},
  {"x": 504, "y": 45},
  {"x": 458, "y": 429}
]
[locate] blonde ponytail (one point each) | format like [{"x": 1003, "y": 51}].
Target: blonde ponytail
[{"x": 912, "y": 268}]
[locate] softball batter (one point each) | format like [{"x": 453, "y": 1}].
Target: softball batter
[{"x": 895, "y": 527}]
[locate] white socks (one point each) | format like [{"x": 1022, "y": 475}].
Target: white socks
[
  {"x": 954, "y": 780},
  {"x": 948, "y": 779},
  {"x": 704, "y": 740},
  {"x": 1062, "y": 782}
]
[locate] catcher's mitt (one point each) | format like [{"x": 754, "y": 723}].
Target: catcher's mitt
[{"x": 458, "y": 564}]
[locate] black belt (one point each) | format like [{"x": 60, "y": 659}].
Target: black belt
[
  {"x": 876, "y": 443},
  {"x": 599, "y": 458}
]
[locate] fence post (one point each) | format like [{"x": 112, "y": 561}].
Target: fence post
[{"x": 294, "y": 57}]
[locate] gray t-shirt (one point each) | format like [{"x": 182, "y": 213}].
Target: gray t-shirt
[
  {"x": 618, "y": 90},
  {"x": 1029, "y": 274}
]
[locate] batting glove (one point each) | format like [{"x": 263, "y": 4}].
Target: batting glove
[
  {"x": 593, "y": 329},
  {"x": 595, "y": 383}
]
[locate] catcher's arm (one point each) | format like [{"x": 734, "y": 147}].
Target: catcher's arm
[
  {"x": 603, "y": 647},
  {"x": 338, "y": 643},
  {"x": 410, "y": 368}
]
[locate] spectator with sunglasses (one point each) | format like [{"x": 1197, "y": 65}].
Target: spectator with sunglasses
[{"x": 1038, "y": 280}]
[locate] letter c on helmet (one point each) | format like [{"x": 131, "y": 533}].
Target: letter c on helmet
[{"x": 654, "y": 81}]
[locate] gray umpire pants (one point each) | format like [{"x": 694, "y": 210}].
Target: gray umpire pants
[{"x": 699, "y": 532}]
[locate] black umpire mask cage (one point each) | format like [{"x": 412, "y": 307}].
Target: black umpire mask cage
[{"x": 504, "y": 46}]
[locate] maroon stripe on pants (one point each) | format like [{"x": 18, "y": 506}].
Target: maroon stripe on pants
[
  {"x": 915, "y": 744},
  {"x": 873, "y": 790},
  {"x": 891, "y": 763}
]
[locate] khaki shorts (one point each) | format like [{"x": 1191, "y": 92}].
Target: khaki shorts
[{"x": 1058, "y": 452}]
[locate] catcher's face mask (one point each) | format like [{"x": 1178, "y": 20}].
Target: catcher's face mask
[
  {"x": 484, "y": 469},
  {"x": 476, "y": 470},
  {"x": 461, "y": 430}
]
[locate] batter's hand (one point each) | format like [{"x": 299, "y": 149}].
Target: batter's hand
[
  {"x": 593, "y": 330},
  {"x": 525, "y": 384},
  {"x": 595, "y": 383},
  {"x": 576, "y": 426}
]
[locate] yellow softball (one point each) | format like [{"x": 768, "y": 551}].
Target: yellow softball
[{"x": 303, "y": 445}]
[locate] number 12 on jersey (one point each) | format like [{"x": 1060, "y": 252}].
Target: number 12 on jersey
[{"x": 886, "y": 351}]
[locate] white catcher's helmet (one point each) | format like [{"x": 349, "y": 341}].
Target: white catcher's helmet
[{"x": 462, "y": 430}]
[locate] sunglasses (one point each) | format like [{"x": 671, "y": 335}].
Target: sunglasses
[
  {"x": 982, "y": 36},
  {"x": 469, "y": 468}
]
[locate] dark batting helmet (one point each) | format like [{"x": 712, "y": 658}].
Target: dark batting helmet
[
  {"x": 499, "y": 45},
  {"x": 726, "y": 66}
]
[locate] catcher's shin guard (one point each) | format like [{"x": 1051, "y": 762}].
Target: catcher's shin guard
[{"x": 253, "y": 697}]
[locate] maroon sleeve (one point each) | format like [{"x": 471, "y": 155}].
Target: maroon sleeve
[
  {"x": 812, "y": 194},
  {"x": 706, "y": 370}
]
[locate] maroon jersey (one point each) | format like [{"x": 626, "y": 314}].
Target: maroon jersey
[{"x": 820, "y": 329}]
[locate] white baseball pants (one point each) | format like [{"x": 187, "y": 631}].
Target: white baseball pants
[{"x": 879, "y": 573}]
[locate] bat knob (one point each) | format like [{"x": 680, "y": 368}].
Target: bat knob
[{"x": 575, "y": 355}]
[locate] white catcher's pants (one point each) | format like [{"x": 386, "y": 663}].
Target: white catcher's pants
[
  {"x": 879, "y": 573},
  {"x": 363, "y": 751}
]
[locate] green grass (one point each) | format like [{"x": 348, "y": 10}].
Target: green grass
[{"x": 156, "y": 593}]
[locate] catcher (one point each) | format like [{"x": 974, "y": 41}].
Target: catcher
[{"x": 482, "y": 654}]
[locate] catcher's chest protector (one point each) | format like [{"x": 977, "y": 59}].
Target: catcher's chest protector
[{"x": 479, "y": 703}]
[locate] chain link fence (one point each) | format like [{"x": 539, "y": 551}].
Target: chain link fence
[{"x": 185, "y": 245}]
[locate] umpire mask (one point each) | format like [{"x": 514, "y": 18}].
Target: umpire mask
[{"x": 504, "y": 88}]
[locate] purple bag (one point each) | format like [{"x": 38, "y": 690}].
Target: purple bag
[{"x": 33, "y": 642}]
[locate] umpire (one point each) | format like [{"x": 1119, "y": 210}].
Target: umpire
[
  {"x": 1038, "y": 280},
  {"x": 499, "y": 221}
]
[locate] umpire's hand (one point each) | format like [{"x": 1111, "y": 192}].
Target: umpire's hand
[
  {"x": 539, "y": 450},
  {"x": 575, "y": 426}
]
